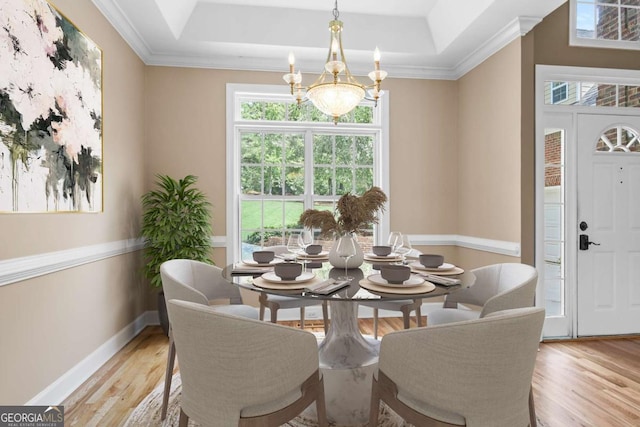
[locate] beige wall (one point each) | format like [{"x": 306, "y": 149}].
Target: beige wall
[
  {"x": 51, "y": 323},
  {"x": 186, "y": 130},
  {"x": 552, "y": 47},
  {"x": 489, "y": 149}
]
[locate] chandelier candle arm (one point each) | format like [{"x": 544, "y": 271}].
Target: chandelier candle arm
[{"x": 336, "y": 92}]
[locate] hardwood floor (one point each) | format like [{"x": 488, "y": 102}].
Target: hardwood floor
[{"x": 591, "y": 383}]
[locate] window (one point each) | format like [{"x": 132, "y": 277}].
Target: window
[
  {"x": 605, "y": 23},
  {"x": 619, "y": 139},
  {"x": 285, "y": 158},
  {"x": 559, "y": 92},
  {"x": 554, "y": 251},
  {"x": 591, "y": 94}
]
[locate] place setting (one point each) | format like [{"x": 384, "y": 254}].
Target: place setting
[
  {"x": 382, "y": 253},
  {"x": 260, "y": 262},
  {"x": 396, "y": 279},
  {"x": 291, "y": 276},
  {"x": 314, "y": 252},
  {"x": 433, "y": 268}
]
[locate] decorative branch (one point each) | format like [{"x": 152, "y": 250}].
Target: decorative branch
[{"x": 353, "y": 214}]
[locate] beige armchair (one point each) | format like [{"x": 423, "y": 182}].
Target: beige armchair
[
  {"x": 475, "y": 373},
  {"x": 242, "y": 372},
  {"x": 198, "y": 282},
  {"x": 497, "y": 287}
]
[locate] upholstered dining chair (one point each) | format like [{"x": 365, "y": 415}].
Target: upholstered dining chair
[
  {"x": 242, "y": 372},
  {"x": 277, "y": 302},
  {"x": 405, "y": 306},
  {"x": 198, "y": 282},
  {"x": 497, "y": 287},
  {"x": 472, "y": 373}
]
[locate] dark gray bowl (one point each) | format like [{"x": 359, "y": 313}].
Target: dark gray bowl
[
  {"x": 313, "y": 249},
  {"x": 263, "y": 257},
  {"x": 431, "y": 260},
  {"x": 381, "y": 250},
  {"x": 395, "y": 273},
  {"x": 288, "y": 270}
]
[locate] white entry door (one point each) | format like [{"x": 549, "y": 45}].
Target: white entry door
[{"x": 608, "y": 202}]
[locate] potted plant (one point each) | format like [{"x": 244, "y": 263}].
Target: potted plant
[
  {"x": 176, "y": 223},
  {"x": 353, "y": 215}
]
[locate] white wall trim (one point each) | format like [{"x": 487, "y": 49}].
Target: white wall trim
[
  {"x": 60, "y": 389},
  {"x": 17, "y": 269},
  {"x": 477, "y": 243}
]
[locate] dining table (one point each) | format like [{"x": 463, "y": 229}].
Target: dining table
[{"x": 347, "y": 358}]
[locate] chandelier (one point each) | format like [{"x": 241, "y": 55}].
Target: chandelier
[{"x": 336, "y": 91}]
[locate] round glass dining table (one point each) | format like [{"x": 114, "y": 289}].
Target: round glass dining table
[{"x": 347, "y": 358}]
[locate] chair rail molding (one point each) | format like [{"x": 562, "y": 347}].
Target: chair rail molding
[
  {"x": 477, "y": 243},
  {"x": 23, "y": 268}
]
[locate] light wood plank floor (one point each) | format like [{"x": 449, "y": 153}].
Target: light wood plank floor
[{"x": 594, "y": 383}]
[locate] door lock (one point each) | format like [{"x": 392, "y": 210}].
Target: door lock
[{"x": 585, "y": 243}]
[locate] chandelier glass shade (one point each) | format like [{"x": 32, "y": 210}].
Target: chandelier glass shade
[{"x": 336, "y": 92}]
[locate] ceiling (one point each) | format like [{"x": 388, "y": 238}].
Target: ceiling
[{"x": 417, "y": 38}]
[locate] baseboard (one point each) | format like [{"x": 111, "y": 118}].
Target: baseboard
[{"x": 61, "y": 388}]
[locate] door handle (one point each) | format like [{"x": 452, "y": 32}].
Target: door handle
[{"x": 584, "y": 242}]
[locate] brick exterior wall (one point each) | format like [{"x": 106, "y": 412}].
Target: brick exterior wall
[
  {"x": 552, "y": 156},
  {"x": 607, "y": 27}
]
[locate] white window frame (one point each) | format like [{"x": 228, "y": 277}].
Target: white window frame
[
  {"x": 236, "y": 92},
  {"x": 574, "y": 40},
  {"x": 560, "y": 85}
]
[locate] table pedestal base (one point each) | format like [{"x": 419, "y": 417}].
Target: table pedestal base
[{"x": 347, "y": 362}]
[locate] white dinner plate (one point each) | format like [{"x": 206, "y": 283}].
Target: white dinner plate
[
  {"x": 322, "y": 254},
  {"x": 304, "y": 277},
  {"x": 444, "y": 267},
  {"x": 262, "y": 264},
  {"x": 413, "y": 281},
  {"x": 392, "y": 255}
]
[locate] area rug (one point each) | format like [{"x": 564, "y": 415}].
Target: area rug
[{"x": 148, "y": 412}]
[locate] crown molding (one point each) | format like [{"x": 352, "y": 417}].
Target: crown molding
[
  {"x": 123, "y": 26},
  {"x": 513, "y": 30},
  {"x": 118, "y": 19}
]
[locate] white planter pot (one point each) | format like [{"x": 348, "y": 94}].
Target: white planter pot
[{"x": 353, "y": 262}]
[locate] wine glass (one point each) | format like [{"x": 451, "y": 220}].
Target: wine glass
[
  {"x": 394, "y": 240},
  {"x": 306, "y": 238},
  {"x": 293, "y": 244},
  {"x": 404, "y": 248},
  {"x": 346, "y": 249}
]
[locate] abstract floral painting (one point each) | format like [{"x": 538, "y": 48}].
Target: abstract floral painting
[{"x": 50, "y": 112}]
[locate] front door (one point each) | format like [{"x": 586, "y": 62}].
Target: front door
[{"x": 608, "y": 217}]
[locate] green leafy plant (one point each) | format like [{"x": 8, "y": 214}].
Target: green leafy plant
[
  {"x": 354, "y": 214},
  {"x": 176, "y": 223}
]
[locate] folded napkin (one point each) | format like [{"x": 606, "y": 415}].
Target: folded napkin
[
  {"x": 439, "y": 280},
  {"x": 249, "y": 269}
]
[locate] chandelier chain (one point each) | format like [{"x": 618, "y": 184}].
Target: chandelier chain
[{"x": 336, "y": 14}]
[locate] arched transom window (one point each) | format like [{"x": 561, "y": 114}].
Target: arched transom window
[{"x": 619, "y": 139}]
